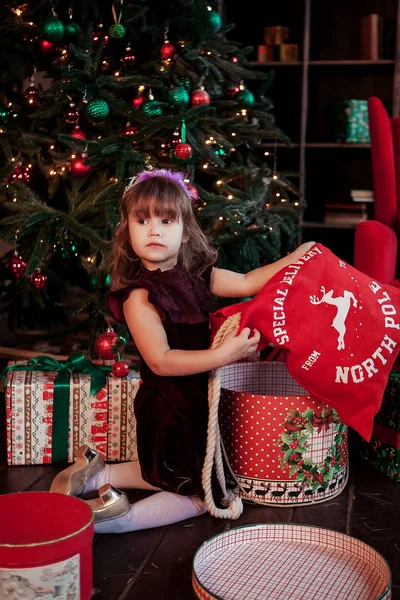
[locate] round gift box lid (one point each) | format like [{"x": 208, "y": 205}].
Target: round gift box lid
[
  {"x": 279, "y": 561},
  {"x": 41, "y": 518}
]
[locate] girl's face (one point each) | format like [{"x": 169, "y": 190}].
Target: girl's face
[{"x": 156, "y": 240}]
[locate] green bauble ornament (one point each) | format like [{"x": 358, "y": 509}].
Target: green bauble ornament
[
  {"x": 97, "y": 111},
  {"x": 152, "y": 108},
  {"x": 215, "y": 20},
  {"x": 72, "y": 29},
  {"x": 178, "y": 96},
  {"x": 245, "y": 98},
  {"x": 4, "y": 114},
  {"x": 117, "y": 31},
  {"x": 52, "y": 30}
]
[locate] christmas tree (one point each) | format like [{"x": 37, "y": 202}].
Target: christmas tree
[{"x": 91, "y": 94}]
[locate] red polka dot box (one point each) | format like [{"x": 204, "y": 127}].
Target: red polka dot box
[
  {"x": 284, "y": 446},
  {"x": 280, "y": 561}
]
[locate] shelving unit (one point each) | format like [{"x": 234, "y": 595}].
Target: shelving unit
[{"x": 330, "y": 68}]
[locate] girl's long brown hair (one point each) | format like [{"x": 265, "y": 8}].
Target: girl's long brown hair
[{"x": 167, "y": 199}]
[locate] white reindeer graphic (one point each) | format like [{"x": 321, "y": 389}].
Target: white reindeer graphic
[{"x": 343, "y": 306}]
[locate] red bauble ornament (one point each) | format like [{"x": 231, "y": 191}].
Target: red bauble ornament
[
  {"x": 38, "y": 279},
  {"x": 72, "y": 116},
  {"x": 99, "y": 36},
  {"x": 105, "y": 343},
  {"x": 129, "y": 59},
  {"x": 31, "y": 94},
  {"x": 232, "y": 89},
  {"x": 137, "y": 102},
  {"x": 183, "y": 151},
  {"x": 200, "y": 96},
  {"x": 20, "y": 173},
  {"x": 120, "y": 368},
  {"x": 78, "y": 133},
  {"x": 193, "y": 191},
  {"x": 129, "y": 130},
  {"x": 78, "y": 167},
  {"x": 167, "y": 50},
  {"x": 17, "y": 266},
  {"x": 47, "y": 47}
]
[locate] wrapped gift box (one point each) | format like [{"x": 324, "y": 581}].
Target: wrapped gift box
[
  {"x": 35, "y": 425},
  {"x": 348, "y": 122},
  {"x": 383, "y": 451}
]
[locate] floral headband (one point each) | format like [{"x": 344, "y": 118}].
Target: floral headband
[{"x": 176, "y": 176}]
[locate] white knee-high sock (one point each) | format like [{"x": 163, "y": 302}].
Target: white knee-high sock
[
  {"x": 123, "y": 475},
  {"x": 157, "y": 510}
]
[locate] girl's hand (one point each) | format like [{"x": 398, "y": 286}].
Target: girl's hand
[
  {"x": 236, "y": 347},
  {"x": 301, "y": 250}
]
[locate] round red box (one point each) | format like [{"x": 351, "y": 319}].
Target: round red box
[
  {"x": 284, "y": 446},
  {"x": 46, "y": 542}
]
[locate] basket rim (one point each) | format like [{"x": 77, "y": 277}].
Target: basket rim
[{"x": 293, "y": 525}]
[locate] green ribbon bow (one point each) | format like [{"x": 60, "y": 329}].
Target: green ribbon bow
[{"x": 76, "y": 363}]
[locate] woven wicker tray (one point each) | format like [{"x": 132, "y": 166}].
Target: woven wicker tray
[{"x": 280, "y": 561}]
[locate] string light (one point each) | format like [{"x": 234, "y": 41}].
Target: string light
[
  {"x": 277, "y": 194},
  {"x": 230, "y": 197},
  {"x": 205, "y": 166},
  {"x": 221, "y": 218},
  {"x": 266, "y": 153},
  {"x": 274, "y": 176},
  {"x": 219, "y": 182}
]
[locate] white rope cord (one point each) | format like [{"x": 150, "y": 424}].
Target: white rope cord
[
  {"x": 215, "y": 445},
  {"x": 214, "y": 453}
]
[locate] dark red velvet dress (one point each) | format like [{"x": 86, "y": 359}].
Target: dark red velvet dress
[{"x": 172, "y": 412}]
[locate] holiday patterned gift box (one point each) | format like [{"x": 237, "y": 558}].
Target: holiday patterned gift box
[
  {"x": 348, "y": 122},
  {"x": 383, "y": 451},
  {"x": 52, "y": 407}
]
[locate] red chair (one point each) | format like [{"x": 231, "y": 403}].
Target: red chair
[{"x": 376, "y": 241}]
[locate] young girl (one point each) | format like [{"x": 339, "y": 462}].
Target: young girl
[{"x": 163, "y": 281}]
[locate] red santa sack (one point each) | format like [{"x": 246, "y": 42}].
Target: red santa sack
[{"x": 339, "y": 328}]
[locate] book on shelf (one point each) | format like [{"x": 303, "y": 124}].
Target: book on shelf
[
  {"x": 345, "y": 214},
  {"x": 378, "y": 37},
  {"x": 370, "y": 37},
  {"x": 362, "y": 196}
]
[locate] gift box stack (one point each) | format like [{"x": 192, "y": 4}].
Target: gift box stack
[
  {"x": 348, "y": 122},
  {"x": 383, "y": 451},
  {"x": 52, "y": 407},
  {"x": 276, "y": 46}
]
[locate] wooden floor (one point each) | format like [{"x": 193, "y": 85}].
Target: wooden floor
[{"x": 157, "y": 563}]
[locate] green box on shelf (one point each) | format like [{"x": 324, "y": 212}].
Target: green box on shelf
[
  {"x": 348, "y": 122},
  {"x": 383, "y": 451}
]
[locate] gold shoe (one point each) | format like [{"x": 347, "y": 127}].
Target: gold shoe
[
  {"x": 111, "y": 504},
  {"x": 72, "y": 480}
]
